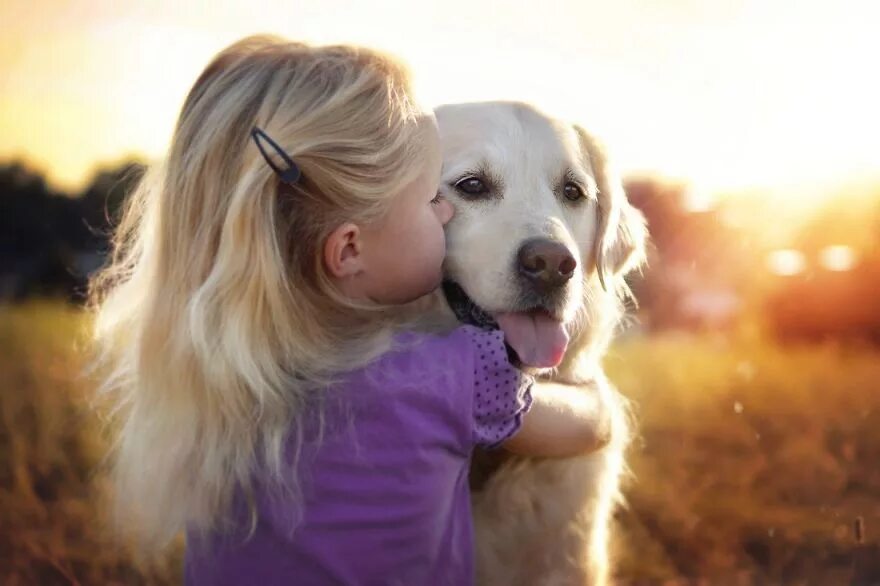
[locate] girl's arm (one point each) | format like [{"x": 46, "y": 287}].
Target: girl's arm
[{"x": 564, "y": 420}]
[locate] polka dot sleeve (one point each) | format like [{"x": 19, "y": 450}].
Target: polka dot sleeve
[{"x": 502, "y": 393}]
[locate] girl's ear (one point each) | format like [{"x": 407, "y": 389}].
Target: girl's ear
[{"x": 343, "y": 251}]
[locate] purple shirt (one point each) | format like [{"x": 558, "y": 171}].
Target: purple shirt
[{"x": 385, "y": 496}]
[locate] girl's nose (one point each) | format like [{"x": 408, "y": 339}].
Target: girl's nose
[{"x": 445, "y": 211}]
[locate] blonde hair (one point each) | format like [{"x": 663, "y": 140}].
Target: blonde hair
[{"x": 215, "y": 322}]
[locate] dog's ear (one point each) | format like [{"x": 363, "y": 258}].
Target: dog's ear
[{"x": 620, "y": 228}]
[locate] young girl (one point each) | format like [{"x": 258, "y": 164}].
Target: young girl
[{"x": 247, "y": 325}]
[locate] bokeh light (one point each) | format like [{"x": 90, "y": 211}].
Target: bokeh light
[
  {"x": 837, "y": 258},
  {"x": 786, "y": 262}
]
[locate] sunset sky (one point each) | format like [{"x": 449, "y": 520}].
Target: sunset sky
[{"x": 728, "y": 95}]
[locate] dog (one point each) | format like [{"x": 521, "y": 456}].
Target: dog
[{"x": 542, "y": 238}]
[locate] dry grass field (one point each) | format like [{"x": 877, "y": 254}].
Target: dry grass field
[{"x": 755, "y": 463}]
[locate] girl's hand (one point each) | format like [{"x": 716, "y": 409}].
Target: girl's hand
[{"x": 564, "y": 420}]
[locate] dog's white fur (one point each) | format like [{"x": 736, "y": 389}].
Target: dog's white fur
[{"x": 543, "y": 521}]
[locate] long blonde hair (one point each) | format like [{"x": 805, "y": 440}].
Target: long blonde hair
[{"x": 214, "y": 319}]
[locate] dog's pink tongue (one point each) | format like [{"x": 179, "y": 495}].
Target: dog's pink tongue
[{"x": 538, "y": 340}]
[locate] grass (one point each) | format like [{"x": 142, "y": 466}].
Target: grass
[
  {"x": 53, "y": 527},
  {"x": 755, "y": 462}
]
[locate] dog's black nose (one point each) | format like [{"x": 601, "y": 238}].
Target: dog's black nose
[{"x": 546, "y": 263}]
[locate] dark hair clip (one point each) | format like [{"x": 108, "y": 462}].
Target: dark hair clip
[{"x": 290, "y": 175}]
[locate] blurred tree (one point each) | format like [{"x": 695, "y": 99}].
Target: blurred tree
[
  {"x": 698, "y": 265},
  {"x": 50, "y": 241}
]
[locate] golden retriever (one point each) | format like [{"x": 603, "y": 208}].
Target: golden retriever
[{"x": 541, "y": 240}]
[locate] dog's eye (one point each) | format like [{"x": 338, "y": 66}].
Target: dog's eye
[
  {"x": 472, "y": 186},
  {"x": 573, "y": 192}
]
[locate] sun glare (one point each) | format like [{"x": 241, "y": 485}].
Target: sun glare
[{"x": 690, "y": 100}]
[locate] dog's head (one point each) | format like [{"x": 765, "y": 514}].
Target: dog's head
[{"x": 542, "y": 234}]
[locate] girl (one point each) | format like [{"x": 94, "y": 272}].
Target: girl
[{"x": 247, "y": 323}]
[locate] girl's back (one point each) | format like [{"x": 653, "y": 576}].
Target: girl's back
[{"x": 385, "y": 496}]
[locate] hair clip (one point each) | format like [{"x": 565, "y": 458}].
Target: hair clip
[{"x": 290, "y": 175}]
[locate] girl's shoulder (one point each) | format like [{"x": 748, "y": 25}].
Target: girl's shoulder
[
  {"x": 465, "y": 343},
  {"x": 438, "y": 360},
  {"x": 471, "y": 366}
]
